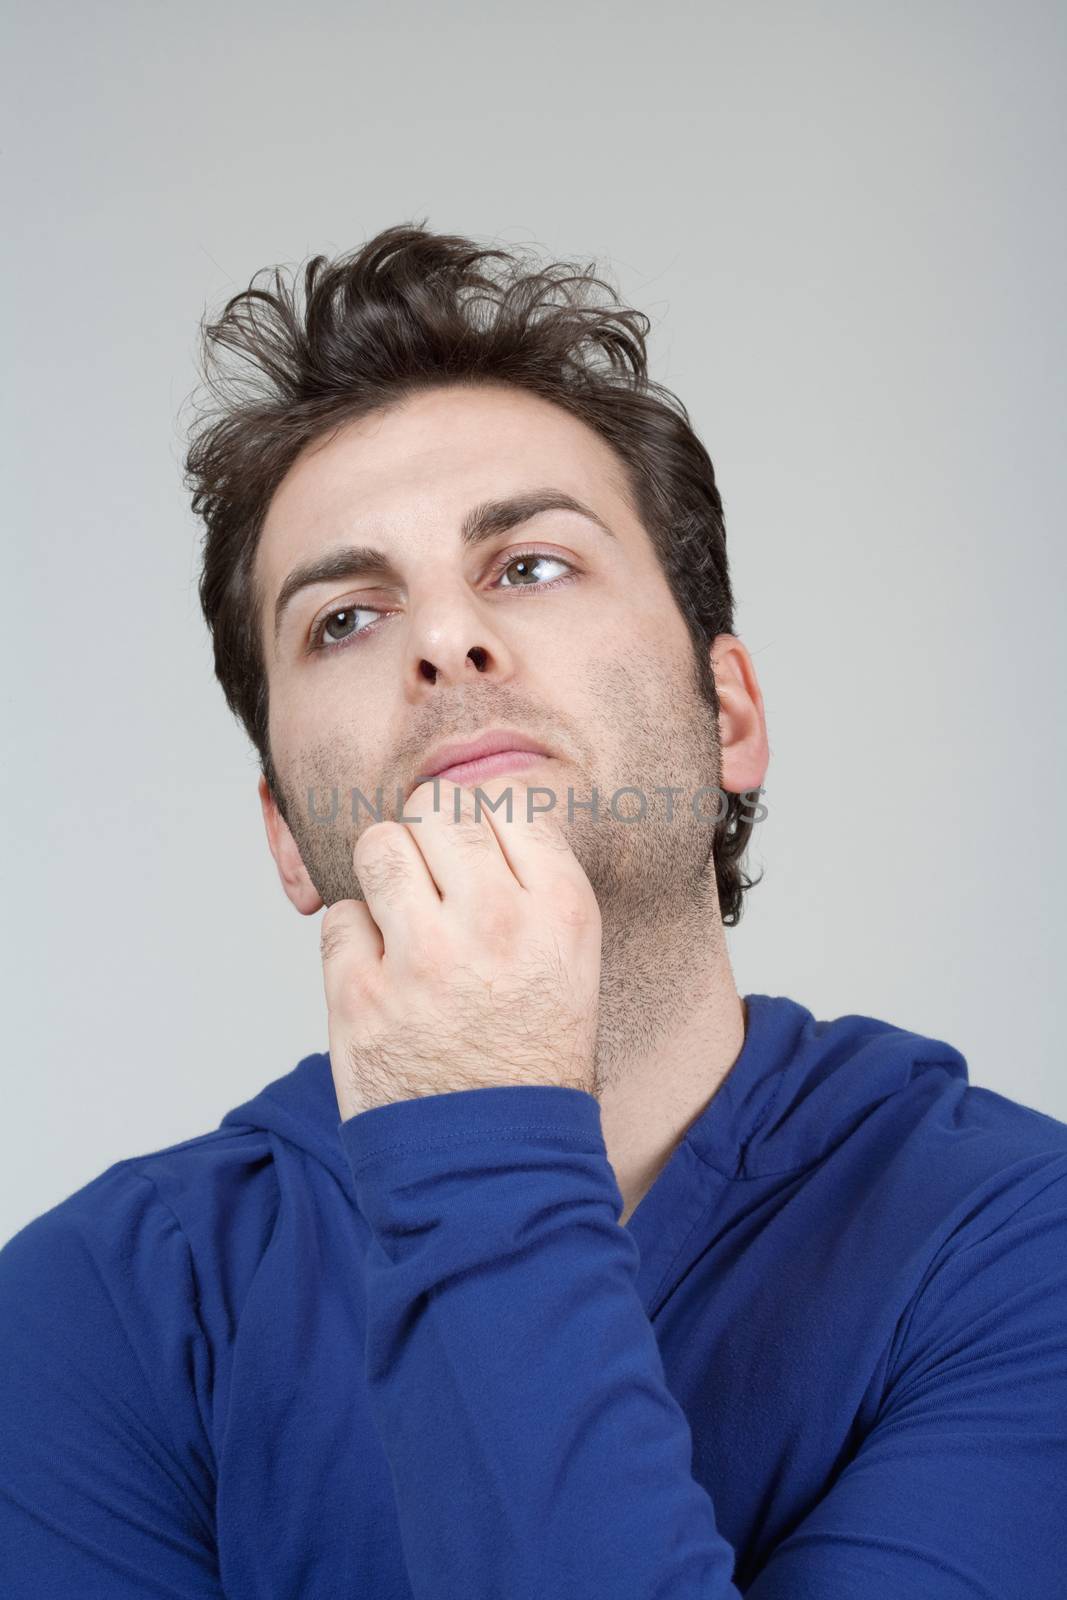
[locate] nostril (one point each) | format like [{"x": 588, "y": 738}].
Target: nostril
[{"x": 478, "y": 655}]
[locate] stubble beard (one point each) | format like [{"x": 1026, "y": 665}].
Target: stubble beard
[{"x": 654, "y": 876}]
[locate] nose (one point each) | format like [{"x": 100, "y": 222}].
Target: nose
[
  {"x": 451, "y": 641},
  {"x": 477, "y": 653}
]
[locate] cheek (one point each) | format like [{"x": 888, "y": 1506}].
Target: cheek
[
  {"x": 637, "y": 690},
  {"x": 643, "y": 623}
]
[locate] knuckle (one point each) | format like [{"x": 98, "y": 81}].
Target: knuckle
[
  {"x": 574, "y": 903},
  {"x": 471, "y": 838},
  {"x": 423, "y": 794},
  {"x": 378, "y": 837},
  {"x": 424, "y": 956},
  {"x": 465, "y": 815},
  {"x": 500, "y": 920}
]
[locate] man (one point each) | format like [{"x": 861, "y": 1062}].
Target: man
[{"x": 567, "y": 1271}]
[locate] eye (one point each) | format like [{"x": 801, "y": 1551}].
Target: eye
[
  {"x": 324, "y": 638},
  {"x": 526, "y": 564}
]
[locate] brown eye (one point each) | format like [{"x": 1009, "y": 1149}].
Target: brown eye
[{"x": 528, "y": 569}]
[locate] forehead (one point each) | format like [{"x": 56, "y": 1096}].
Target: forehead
[{"x": 405, "y": 475}]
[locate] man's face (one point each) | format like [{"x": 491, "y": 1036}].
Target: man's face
[{"x": 582, "y": 647}]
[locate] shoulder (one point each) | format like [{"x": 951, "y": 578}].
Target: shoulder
[
  {"x": 885, "y": 1103},
  {"x": 114, "y": 1337},
  {"x": 156, "y": 1242},
  {"x": 996, "y": 1164},
  {"x": 967, "y": 1190},
  {"x": 910, "y": 1094},
  {"x": 912, "y": 1160},
  {"x": 978, "y": 1155},
  {"x": 221, "y": 1165}
]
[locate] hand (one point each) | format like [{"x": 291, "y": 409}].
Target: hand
[{"x": 474, "y": 962}]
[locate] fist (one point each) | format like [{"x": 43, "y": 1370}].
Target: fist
[{"x": 474, "y": 961}]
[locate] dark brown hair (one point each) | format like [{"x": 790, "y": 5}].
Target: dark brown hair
[{"x": 409, "y": 310}]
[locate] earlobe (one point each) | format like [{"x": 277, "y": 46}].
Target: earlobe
[
  {"x": 742, "y": 725},
  {"x": 291, "y": 870}
]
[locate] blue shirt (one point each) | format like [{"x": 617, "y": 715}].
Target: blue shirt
[{"x": 414, "y": 1353}]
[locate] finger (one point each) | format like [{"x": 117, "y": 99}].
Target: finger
[
  {"x": 349, "y": 942},
  {"x": 536, "y": 848},
  {"x": 461, "y": 853},
  {"x": 395, "y": 880}
]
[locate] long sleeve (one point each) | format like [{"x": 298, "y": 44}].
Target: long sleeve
[
  {"x": 959, "y": 1491},
  {"x": 105, "y": 1482},
  {"x": 515, "y": 1380},
  {"x": 536, "y": 1450}
]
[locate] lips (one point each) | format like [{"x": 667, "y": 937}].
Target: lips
[{"x": 494, "y": 742}]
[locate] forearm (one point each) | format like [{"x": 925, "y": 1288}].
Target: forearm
[{"x": 515, "y": 1378}]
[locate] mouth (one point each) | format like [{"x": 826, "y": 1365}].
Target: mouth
[
  {"x": 488, "y": 766},
  {"x": 499, "y": 750}
]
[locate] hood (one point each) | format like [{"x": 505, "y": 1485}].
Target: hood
[
  {"x": 798, "y": 1087},
  {"x": 301, "y": 1107}
]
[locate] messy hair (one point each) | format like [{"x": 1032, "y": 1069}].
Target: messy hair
[{"x": 411, "y": 310}]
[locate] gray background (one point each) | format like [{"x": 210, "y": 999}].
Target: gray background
[{"x": 847, "y": 224}]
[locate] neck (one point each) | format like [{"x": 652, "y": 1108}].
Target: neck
[{"x": 671, "y": 1026}]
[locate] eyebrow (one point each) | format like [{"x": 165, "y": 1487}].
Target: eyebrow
[{"x": 481, "y": 522}]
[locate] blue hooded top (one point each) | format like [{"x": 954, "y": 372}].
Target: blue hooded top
[{"x": 414, "y": 1353}]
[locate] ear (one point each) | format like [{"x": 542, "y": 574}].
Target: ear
[
  {"x": 291, "y": 870},
  {"x": 742, "y": 726}
]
